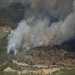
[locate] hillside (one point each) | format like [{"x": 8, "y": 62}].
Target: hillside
[
  {"x": 11, "y": 13},
  {"x": 48, "y": 56},
  {"x": 5, "y": 3}
]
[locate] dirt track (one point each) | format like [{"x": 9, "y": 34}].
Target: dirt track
[{"x": 43, "y": 71}]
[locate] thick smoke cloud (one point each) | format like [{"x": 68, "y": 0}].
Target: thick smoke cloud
[
  {"x": 57, "y": 8},
  {"x": 40, "y": 32}
]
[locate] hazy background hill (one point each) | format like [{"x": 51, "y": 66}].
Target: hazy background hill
[
  {"x": 4, "y": 3},
  {"x": 12, "y": 14},
  {"x": 14, "y": 10}
]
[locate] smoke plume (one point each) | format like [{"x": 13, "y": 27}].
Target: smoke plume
[{"x": 39, "y": 31}]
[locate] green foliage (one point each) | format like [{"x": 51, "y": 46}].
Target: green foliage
[
  {"x": 8, "y": 73},
  {"x": 64, "y": 72},
  {"x": 3, "y": 66},
  {"x": 3, "y": 54},
  {"x": 2, "y": 35},
  {"x": 68, "y": 71},
  {"x": 5, "y": 21},
  {"x": 11, "y": 15},
  {"x": 3, "y": 44}
]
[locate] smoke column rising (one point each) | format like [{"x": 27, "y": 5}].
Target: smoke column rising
[{"x": 27, "y": 36}]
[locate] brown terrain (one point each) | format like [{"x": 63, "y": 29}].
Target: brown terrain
[
  {"x": 47, "y": 56},
  {"x": 5, "y": 29},
  {"x": 43, "y": 71}
]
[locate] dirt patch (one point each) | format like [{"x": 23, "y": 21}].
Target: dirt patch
[
  {"x": 43, "y": 71},
  {"x": 47, "y": 71},
  {"x": 8, "y": 69}
]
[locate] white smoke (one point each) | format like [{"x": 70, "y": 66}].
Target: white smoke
[{"x": 28, "y": 36}]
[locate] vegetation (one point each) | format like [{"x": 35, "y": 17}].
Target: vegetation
[
  {"x": 3, "y": 54},
  {"x": 10, "y": 17},
  {"x": 8, "y": 73},
  {"x": 65, "y": 72},
  {"x": 42, "y": 55},
  {"x": 70, "y": 55},
  {"x": 61, "y": 72}
]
